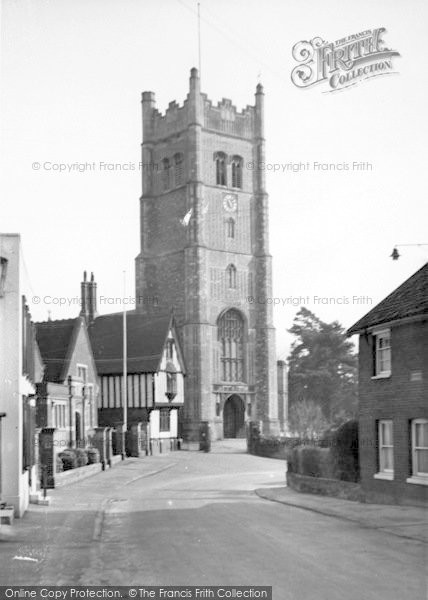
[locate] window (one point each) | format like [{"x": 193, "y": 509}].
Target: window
[
  {"x": 386, "y": 450},
  {"x": 178, "y": 169},
  {"x": 230, "y": 226},
  {"x": 170, "y": 349},
  {"x": 419, "y": 435},
  {"x": 220, "y": 168},
  {"x": 237, "y": 172},
  {"x": 231, "y": 336},
  {"x": 82, "y": 373},
  {"x": 231, "y": 276},
  {"x": 164, "y": 419},
  {"x": 171, "y": 381},
  {"x": 165, "y": 174},
  {"x": 382, "y": 358}
]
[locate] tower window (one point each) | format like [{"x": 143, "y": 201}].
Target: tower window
[
  {"x": 230, "y": 227},
  {"x": 178, "y": 169},
  {"x": 165, "y": 174},
  {"x": 231, "y": 336},
  {"x": 237, "y": 172},
  {"x": 220, "y": 168},
  {"x": 231, "y": 276}
]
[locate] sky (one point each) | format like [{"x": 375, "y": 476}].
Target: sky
[{"x": 72, "y": 73}]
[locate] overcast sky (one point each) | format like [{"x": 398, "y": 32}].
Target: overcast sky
[{"x": 72, "y": 74}]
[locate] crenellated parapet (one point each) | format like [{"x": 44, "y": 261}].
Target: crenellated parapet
[{"x": 222, "y": 118}]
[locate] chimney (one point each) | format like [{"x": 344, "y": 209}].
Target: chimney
[
  {"x": 84, "y": 304},
  {"x": 92, "y": 299}
]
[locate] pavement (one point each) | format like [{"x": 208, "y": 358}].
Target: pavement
[
  {"x": 192, "y": 518},
  {"x": 404, "y": 521}
]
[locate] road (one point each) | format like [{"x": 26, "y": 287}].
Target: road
[{"x": 190, "y": 518}]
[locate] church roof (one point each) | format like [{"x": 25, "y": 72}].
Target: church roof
[
  {"x": 410, "y": 299},
  {"x": 146, "y": 337},
  {"x": 56, "y": 340}
]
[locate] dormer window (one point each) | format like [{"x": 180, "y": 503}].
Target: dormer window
[
  {"x": 171, "y": 381},
  {"x": 237, "y": 172},
  {"x": 165, "y": 174},
  {"x": 178, "y": 169},
  {"x": 230, "y": 228},
  {"x": 170, "y": 349},
  {"x": 220, "y": 168},
  {"x": 231, "y": 276}
]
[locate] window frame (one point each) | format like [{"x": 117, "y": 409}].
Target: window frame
[
  {"x": 220, "y": 159},
  {"x": 417, "y": 477},
  {"x": 231, "y": 272},
  {"x": 230, "y": 228},
  {"x": 166, "y": 174},
  {"x": 236, "y": 165},
  {"x": 231, "y": 336},
  {"x": 164, "y": 414},
  {"x": 178, "y": 168},
  {"x": 383, "y": 472},
  {"x": 379, "y": 372}
]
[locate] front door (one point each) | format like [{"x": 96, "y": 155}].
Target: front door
[{"x": 234, "y": 417}]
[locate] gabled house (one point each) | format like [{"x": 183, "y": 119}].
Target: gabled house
[
  {"x": 67, "y": 397},
  {"x": 393, "y": 394},
  {"x": 20, "y": 370},
  {"x": 155, "y": 372}
]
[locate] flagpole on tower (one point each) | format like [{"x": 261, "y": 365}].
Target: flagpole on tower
[{"x": 199, "y": 40}]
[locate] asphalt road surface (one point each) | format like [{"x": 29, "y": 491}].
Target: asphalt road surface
[{"x": 192, "y": 518}]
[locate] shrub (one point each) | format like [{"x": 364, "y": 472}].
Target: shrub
[
  {"x": 69, "y": 460},
  {"x": 59, "y": 464},
  {"x": 81, "y": 457},
  {"x": 344, "y": 449},
  {"x": 93, "y": 456}
]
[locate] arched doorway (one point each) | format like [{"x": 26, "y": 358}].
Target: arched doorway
[{"x": 234, "y": 417}]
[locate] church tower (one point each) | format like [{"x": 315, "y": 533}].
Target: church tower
[{"x": 205, "y": 253}]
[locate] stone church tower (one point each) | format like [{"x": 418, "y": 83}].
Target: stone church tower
[{"x": 205, "y": 253}]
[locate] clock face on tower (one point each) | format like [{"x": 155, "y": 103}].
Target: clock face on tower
[{"x": 230, "y": 202}]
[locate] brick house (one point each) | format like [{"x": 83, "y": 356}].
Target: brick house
[
  {"x": 67, "y": 396},
  {"x": 393, "y": 394}
]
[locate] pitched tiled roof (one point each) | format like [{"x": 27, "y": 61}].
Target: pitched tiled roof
[
  {"x": 408, "y": 300},
  {"x": 54, "y": 339},
  {"x": 146, "y": 338}
]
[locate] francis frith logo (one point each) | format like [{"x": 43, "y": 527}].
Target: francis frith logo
[{"x": 342, "y": 63}]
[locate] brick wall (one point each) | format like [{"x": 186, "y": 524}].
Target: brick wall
[{"x": 399, "y": 398}]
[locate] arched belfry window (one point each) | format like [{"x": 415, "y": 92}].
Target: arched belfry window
[
  {"x": 178, "y": 169},
  {"x": 237, "y": 172},
  {"x": 231, "y": 336},
  {"x": 230, "y": 228},
  {"x": 165, "y": 174},
  {"x": 231, "y": 276},
  {"x": 220, "y": 168}
]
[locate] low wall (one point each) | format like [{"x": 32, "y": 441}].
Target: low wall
[
  {"x": 73, "y": 475},
  {"x": 325, "y": 487}
]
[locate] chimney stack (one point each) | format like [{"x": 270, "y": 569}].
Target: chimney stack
[
  {"x": 88, "y": 299},
  {"x": 92, "y": 299}
]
